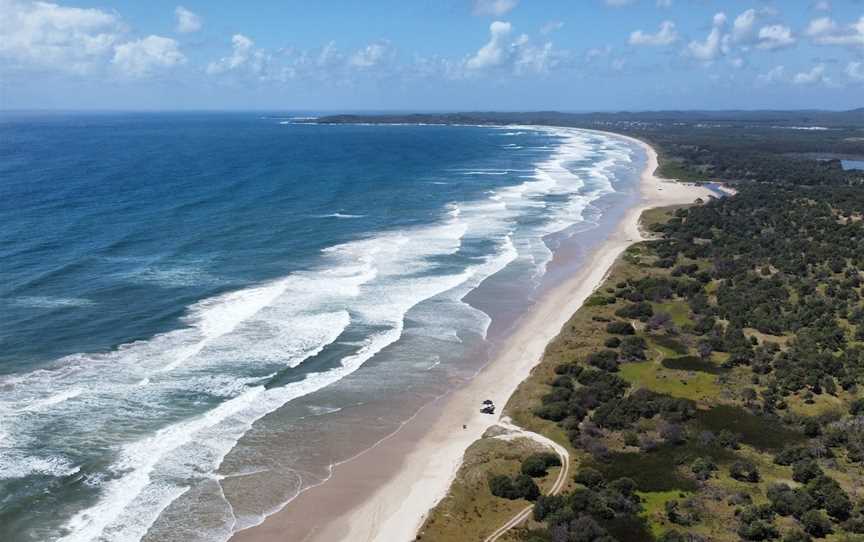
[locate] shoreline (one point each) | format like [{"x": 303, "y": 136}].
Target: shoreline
[{"x": 386, "y": 492}]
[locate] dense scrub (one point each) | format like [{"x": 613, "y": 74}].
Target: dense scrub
[{"x": 768, "y": 287}]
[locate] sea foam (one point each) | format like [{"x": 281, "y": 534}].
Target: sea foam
[{"x": 167, "y": 410}]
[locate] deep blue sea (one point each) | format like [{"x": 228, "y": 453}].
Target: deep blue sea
[{"x": 200, "y": 313}]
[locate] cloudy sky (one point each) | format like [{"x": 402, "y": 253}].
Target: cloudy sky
[{"x": 432, "y": 54}]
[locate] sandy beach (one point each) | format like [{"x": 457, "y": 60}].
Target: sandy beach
[{"x": 384, "y": 493}]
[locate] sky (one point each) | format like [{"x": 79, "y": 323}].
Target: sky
[{"x": 431, "y": 55}]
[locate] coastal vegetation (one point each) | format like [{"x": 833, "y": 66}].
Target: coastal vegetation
[
  {"x": 722, "y": 359},
  {"x": 711, "y": 389}
]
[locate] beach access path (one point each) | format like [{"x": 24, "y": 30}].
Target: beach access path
[{"x": 514, "y": 431}]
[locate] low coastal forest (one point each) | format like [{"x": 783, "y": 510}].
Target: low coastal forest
[{"x": 713, "y": 387}]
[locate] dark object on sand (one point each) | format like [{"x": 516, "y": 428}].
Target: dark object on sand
[
  {"x": 488, "y": 402},
  {"x": 488, "y": 409}
]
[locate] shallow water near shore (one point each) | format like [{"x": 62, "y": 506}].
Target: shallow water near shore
[{"x": 222, "y": 318}]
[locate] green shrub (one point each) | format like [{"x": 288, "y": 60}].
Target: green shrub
[
  {"x": 589, "y": 477},
  {"x": 744, "y": 471},
  {"x": 620, "y": 328},
  {"x": 522, "y": 487},
  {"x": 537, "y": 465},
  {"x": 816, "y": 524}
]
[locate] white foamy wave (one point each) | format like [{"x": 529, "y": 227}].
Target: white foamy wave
[
  {"x": 46, "y": 302},
  {"x": 52, "y": 400},
  {"x": 339, "y": 215},
  {"x": 169, "y": 409},
  {"x": 232, "y": 343},
  {"x": 562, "y": 190},
  {"x": 150, "y": 465},
  {"x": 16, "y": 465},
  {"x": 173, "y": 276}
]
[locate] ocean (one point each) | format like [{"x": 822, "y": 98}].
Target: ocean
[{"x": 202, "y": 313}]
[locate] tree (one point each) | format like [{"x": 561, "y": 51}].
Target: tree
[
  {"x": 537, "y": 464},
  {"x": 660, "y": 320},
  {"x": 728, "y": 439},
  {"x": 589, "y": 477},
  {"x": 522, "y": 487},
  {"x": 547, "y": 505},
  {"x": 758, "y": 530},
  {"x": 620, "y": 328},
  {"x": 501, "y": 486},
  {"x": 838, "y": 505},
  {"x": 681, "y": 513},
  {"x": 606, "y": 360},
  {"x": 757, "y": 523},
  {"x": 585, "y": 529},
  {"x": 816, "y": 524},
  {"x": 744, "y": 471},
  {"x": 641, "y": 311},
  {"x": 703, "y": 468},
  {"x": 612, "y": 342},
  {"x": 788, "y": 502},
  {"x": 633, "y": 348},
  {"x": 526, "y": 488},
  {"x": 805, "y": 470},
  {"x": 534, "y": 466}
]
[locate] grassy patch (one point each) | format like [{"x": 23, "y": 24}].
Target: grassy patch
[
  {"x": 654, "y": 509},
  {"x": 817, "y": 405},
  {"x": 653, "y": 376},
  {"x": 678, "y": 310},
  {"x": 658, "y": 215}
]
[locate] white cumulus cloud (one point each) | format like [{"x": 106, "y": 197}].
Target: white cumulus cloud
[
  {"x": 372, "y": 55},
  {"x": 825, "y": 31},
  {"x": 712, "y": 47},
  {"x": 495, "y": 52},
  {"x": 775, "y": 37},
  {"x": 144, "y": 56},
  {"x": 241, "y": 52},
  {"x": 665, "y": 36},
  {"x": 43, "y": 35},
  {"x": 187, "y": 21},
  {"x": 744, "y": 26},
  {"x": 814, "y": 76},
  {"x": 514, "y": 55}
]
